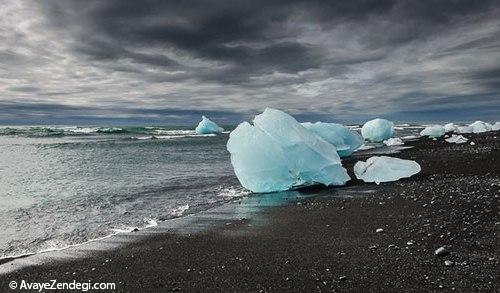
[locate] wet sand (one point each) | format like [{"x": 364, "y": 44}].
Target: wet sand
[{"x": 330, "y": 244}]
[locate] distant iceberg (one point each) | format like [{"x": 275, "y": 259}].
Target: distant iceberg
[
  {"x": 385, "y": 169},
  {"x": 377, "y": 130},
  {"x": 433, "y": 131},
  {"x": 450, "y": 127},
  {"x": 456, "y": 139},
  {"x": 393, "y": 141},
  {"x": 277, "y": 153},
  {"x": 480, "y": 127},
  {"x": 206, "y": 126},
  {"x": 496, "y": 126},
  {"x": 345, "y": 140}
]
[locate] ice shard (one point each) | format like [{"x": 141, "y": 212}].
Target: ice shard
[
  {"x": 456, "y": 139},
  {"x": 393, "y": 141}
]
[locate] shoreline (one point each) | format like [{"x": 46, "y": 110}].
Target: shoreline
[
  {"x": 329, "y": 243},
  {"x": 380, "y": 150}
]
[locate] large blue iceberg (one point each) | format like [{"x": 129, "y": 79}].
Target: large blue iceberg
[
  {"x": 207, "y": 126},
  {"x": 385, "y": 169},
  {"x": 377, "y": 130},
  {"x": 345, "y": 140},
  {"x": 277, "y": 153}
]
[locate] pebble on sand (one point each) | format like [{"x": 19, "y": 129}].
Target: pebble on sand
[{"x": 441, "y": 251}]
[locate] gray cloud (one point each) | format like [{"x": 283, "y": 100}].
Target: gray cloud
[{"x": 338, "y": 59}]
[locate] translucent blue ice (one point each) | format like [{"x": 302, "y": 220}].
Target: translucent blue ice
[
  {"x": 377, "y": 130},
  {"x": 206, "y": 126},
  {"x": 277, "y": 153},
  {"x": 385, "y": 169},
  {"x": 433, "y": 131},
  {"x": 345, "y": 140}
]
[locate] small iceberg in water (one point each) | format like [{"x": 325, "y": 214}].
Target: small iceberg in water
[
  {"x": 456, "y": 139},
  {"x": 385, "y": 169},
  {"x": 345, "y": 140},
  {"x": 433, "y": 131},
  {"x": 207, "y": 126},
  {"x": 277, "y": 153},
  {"x": 377, "y": 130}
]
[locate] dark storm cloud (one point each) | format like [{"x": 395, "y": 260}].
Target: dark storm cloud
[
  {"x": 325, "y": 58},
  {"x": 489, "y": 78},
  {"x": 44, "y": 113}
]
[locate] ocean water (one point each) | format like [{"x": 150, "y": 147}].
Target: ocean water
[{"x": 62, "y": 186}]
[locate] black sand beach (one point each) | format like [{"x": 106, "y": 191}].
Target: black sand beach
[{"x": 330, "y": 245}]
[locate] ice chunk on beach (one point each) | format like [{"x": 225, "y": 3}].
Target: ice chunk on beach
[
  {"x": 480, "y": 127},
  {"x": 456, "y": 139},
  {"x": 433, "y": 131},
  {"x": 377, "y": 130},
  {"x": 277, "y": 153},
  {"x": 385, "y": 169},
  {"x": 464, "y": 129},
  {"x": 207, "y": 126},
  {"x": 393, "y": 141},
  {"x": 450, "y": 127},
  {"x": 496, "y": 126},
  {"x": 365, "y": 147},
  {"x": 345, "y": 140}
]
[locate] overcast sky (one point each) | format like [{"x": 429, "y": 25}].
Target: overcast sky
[{"x": 151, "y": 62}]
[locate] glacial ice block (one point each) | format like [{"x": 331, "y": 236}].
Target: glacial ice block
[
  {"x": 393, "y": 141},
  {"x": 433, "y": 131},
  {"x": 377, "y": 130},
  {"x": 345, "y": 140},
  {"x": 277, "y": 153},
  {"x": 207, "y": 126},
  {"x": 464, "y": 129},
  {"x": 456, "y": 139},
  {"x": 480, "y": 127},
  {"x": 385, "y": 169},
  {"x": 496, "y": 126},
  {"x": 450, "y": 127}
]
